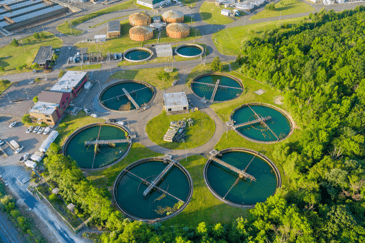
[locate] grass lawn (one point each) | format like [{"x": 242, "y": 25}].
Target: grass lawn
[
  {"x": 228, "y": 41},
  {"x": 107, "y": 176},
  {"x": 4, "y": 85},
  {"x": 148, "y": 75},
  {"x": 211, "y": 14},
  {"x": 66, "y": 27},
  {"x": 284, "y": 7},
  {"x": 196, "y": 135},
  {"x": 203, "y": 207},
  {"x": 123, "y": 43},
  {"x": 84, "y": 67},
  {"x": 11, "y": 57},
  {"x": 72, "y": 123}
]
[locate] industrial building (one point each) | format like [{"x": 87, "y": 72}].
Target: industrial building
[
  {"x": 113, "y": 29},
  {"x": 44, "y": 56},
  {"x": 53, "y": 103},
  {"x": 175, "y": 102},
  {"x": 16, "y": 14},
  {"x": 164, "y": 50},
  {"x": 153, "y": 3},
  {"x": 71, "y": 82},
  {"x": 46, "y": 112}
]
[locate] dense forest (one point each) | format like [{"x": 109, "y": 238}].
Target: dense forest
[{"x": 320, "y": 67}]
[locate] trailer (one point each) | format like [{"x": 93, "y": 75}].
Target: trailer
[{"x": 50, "y": 139}]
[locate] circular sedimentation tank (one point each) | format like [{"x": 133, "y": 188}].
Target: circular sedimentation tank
[
  {"x": 138, "y": 19},
  {"x": 261, "y": 122},
  {"x": 205, "y": 86},
  {"x": 167, "y": 199},
  {"x": 173, "y": 16},
  {"x": 139, "y": 54},
  {"x": 177, "y": 30},
  {"x": 114, "y": 98},
  {"x": 140, "y": 33},
  {"x": 189, "y": 50},
  {"x": 92, "y": 157},
  {"x": 262, "y": 177}
]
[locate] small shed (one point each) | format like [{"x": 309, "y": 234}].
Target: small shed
[
  {"x": 113, "y": 29},
  {"x": 163, "y": 50},
  {"x": 176, "y": 102},
  {"x": 99, "y": 38},
  {"x": 226, "y": 12},
  {"x": 44, "y": 56},
  {"x": 71, "y": 207},
  {"x": 55, "y": 191}
]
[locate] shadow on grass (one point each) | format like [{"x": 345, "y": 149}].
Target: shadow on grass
[{"x": 206, "y": 15}]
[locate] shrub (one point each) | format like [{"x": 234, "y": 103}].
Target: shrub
[
  {"x": 36, "y": 35},
  {"x": 2, "y": 69},
  {"x": 216, "y": 65},
  {"x": 163, "y": 76},
  {"x": 14, "y": 42},
  {"x": 53, "y": 197},
  {"x": 270, "y": 6},
  {"x": 42, "y": 35},
  {"x": 35, "y": 99},
  {"x": 26, "y": 118},
  {"x": 62, "y": 72},
  {"x": 35, "y": 65}
]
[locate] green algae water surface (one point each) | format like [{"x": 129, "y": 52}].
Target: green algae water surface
[
  {"x": 106, "y": 154},
  {"x": 245, "y": 192}
]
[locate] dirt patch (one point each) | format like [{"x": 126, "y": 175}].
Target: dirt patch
[{"x": 279, "y": 100}]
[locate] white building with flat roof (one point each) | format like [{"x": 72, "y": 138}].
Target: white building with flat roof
[
  {"x": 176, "y": 102},
  {"x": 69, "y": 81}
]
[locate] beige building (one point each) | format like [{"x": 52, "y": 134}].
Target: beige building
[{"x": 46, "y": 112}]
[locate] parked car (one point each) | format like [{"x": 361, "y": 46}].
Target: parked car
[
  {"x": 87, "y": 111},
  {"x": 94, "y": 115},
  {"x": 36, "y": 129},
  {"x": 30, "y": 129},
  {"x": 40, "y": 131},
  {"x": 19, "y": 150},
  {"x": 24, "y": 157},
  {"x": 46, "y": 130},
  {"x": 112, "y": 120},
  {"x": 121, "y": 123},
  {"x": 2, "y": 142},
  {"x": 12, "y": 124}
]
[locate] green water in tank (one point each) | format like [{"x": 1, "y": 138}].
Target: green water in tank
[
  {"x": 115, "y": 99},
  {"x": 129, "y": 190},
  {"x": 279, "y": 124},
  {"x": 244, "y": 192},
  {"x": 84, "y": 155},
  {"x": 223, "y": 93},
  {"x": 189, "y": 51},
  {"x": 137, "y": 55}
]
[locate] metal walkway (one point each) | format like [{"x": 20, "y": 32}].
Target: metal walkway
[
  {"x": 158, "y": 178},
  {"x": 220, "y": 86},
  {"x": 264, "y": 123},
  {"x": 108, "y": 141},
  {"x": 116, "y": 97},
  {"x": 258, "y": 120},
  {"x": 241, "y": 173},
  {"x": 215, "y": 90},
  {"x": 158, "y": 188},
  {"x": 130, "y": 98}
]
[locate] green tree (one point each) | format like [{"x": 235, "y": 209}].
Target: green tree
[
  {"x": 2, "y": 69},
  {"x": 35, "y": 99},
  {"x": 26, "y": 119},
  {"x": 36, "y": 35},
  {"x": 270, "y": 6},
  {"x": 14, "y": 42},
  {"x": 35, "y": 66},
  {"x": 216, "y": 65}
]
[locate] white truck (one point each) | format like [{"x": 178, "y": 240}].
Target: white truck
[{"x": 14, "y": 145}]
